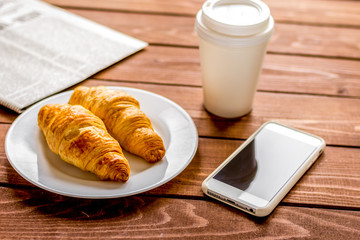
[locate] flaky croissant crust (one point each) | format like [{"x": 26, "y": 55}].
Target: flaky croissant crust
[
  {"x": 124, "y": 120},
  {"x": 81, "y": 139}
]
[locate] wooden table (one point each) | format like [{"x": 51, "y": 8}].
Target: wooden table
[{"x": 310, "y": 80}]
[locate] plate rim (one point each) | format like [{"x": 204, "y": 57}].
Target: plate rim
[{"x": 102, "y": 196}]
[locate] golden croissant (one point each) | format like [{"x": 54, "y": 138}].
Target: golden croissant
[
  {"x": 81, "y": 139},
  {"x": 124, "y": 120}
]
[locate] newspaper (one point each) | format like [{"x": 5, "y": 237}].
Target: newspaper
[{"x": 44, "y": 49}]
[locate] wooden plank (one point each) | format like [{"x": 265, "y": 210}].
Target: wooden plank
[
  {"x": 178, "y": 209},
  {"x": 306, "y": 11},
  {"x": 181, "y": 66},
  {"x": 189, "y": 7},
  {"x": 155, "y": 29},
  {"x": 157, "y": 64},
  {"x": 335, "y": 119},
  {"x": 316, "y": 180},
  {"x": 314, "y": 40},
  {"x": 34, "y": 214},
  {"x": 179, "y": 30},
  {"x": 324, "y": 12},
  {"x": 170, "y": 65},
  {"x": 334, "y": 180},
  {"x": 311, "y": 75},
  {"x": 7, "y": 115}
]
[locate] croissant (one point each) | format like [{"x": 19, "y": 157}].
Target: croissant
[
  {"x": 81, "y": 139},
  {"x": 124, "y": 120}
]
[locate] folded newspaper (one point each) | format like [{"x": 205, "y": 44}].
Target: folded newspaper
[{"x": 44, "y": 49}]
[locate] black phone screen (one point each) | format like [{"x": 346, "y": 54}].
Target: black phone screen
[{"x": 266, "y": 163}]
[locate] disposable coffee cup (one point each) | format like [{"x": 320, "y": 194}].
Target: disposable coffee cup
[{"x": 233, "y": 36}]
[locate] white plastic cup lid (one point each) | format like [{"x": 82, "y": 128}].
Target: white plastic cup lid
[
  {"x": 234, "y": 23},
  {"x": 235, "y": 17}
]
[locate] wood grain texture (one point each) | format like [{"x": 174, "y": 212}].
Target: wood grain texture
[
  {"x": 310, "y": 81},
  {"x": 339, "y": 126},
  {"x": 179, "y": 30},
  {"x": 335, "y": 119},
  {"x": 309, "y": 11},
  {"x": 181, "y": 66},
  {"x": 334, "y": 180},
  {"x": 297, "y": 74},
  {"x": 36, "y": 214},
  {"x": 6, "y": 115},
  {"x": 146, "y": 6},
  {"x": 321, "y": 12}
]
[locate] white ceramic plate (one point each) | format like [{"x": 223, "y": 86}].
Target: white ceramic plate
[{"x": 29, "y": 154}]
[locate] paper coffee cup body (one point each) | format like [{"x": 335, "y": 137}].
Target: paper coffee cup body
[{"x": 233, "y": 36}]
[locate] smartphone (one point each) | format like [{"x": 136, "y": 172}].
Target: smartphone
[{"x": 257, "y": 175}]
